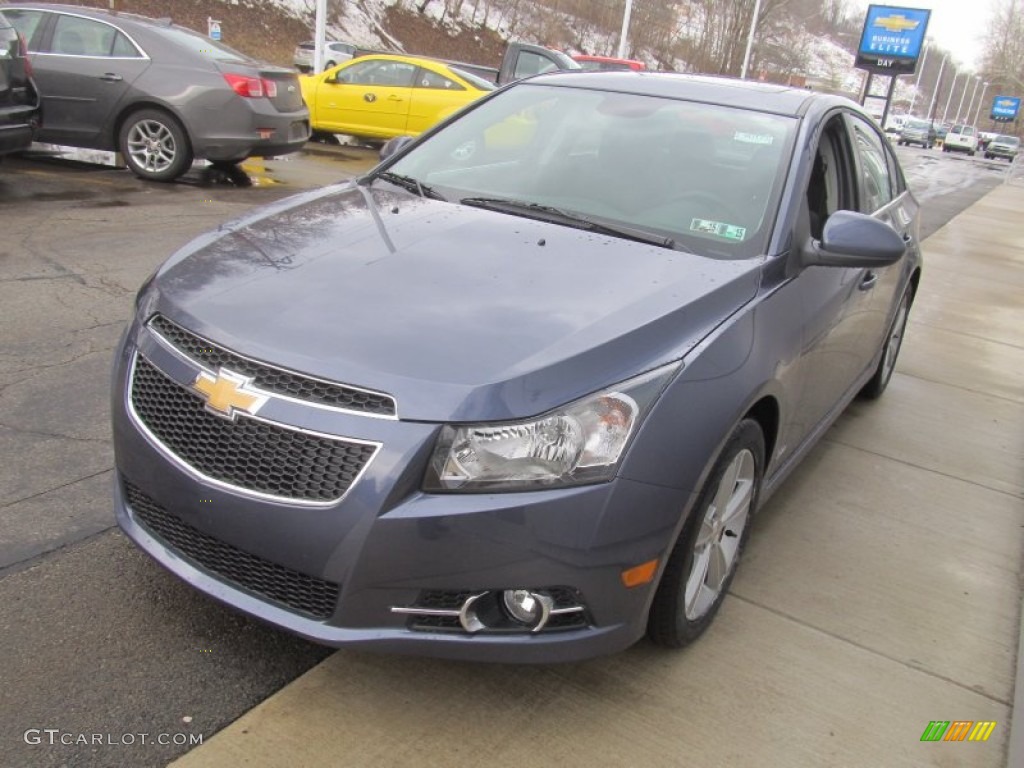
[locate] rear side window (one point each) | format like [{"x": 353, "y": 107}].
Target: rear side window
[
  {"x": 26, "y": 22},
  {"x": 75, "y": 36}
]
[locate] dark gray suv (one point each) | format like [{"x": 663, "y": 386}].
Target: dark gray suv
[
  {"x": 160, "y": 94},
  {"x": 19, "y": 102},
  {"x": 518, "y": 393},
  {"x": 920, "y": 132}
]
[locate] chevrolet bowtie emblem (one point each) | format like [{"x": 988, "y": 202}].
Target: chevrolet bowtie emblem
[
  {"x": 896, "y": 23},
  {"x": 228, "y": 393}
]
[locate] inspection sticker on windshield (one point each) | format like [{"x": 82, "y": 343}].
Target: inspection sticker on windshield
[
  {"x": 718, "y": 228},
  {"x": 754, "y": 138}
]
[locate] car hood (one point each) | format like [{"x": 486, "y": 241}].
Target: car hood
[{"x": 460, "y": 313}]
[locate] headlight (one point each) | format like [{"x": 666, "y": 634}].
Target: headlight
[{"x": 580, "y": 443}]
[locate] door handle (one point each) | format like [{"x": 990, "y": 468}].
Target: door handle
[
  {"x": 867, "y": 282},
  {"x": 393, "y": 97},
  {"x": 111, "y": 77}
]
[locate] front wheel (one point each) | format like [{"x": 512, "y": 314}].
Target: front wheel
[
  {"x": 155, "y": 145},
  {"x": 704, "y": 559},
  {"x": 890, "y": 351}
]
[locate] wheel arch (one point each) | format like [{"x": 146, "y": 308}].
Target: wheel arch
[{"x": 139, "y": 106}]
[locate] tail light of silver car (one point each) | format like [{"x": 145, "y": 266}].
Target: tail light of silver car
[{"x": 252, "y": 87}]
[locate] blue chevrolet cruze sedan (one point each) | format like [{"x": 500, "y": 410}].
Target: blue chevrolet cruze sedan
[{"x": 517, "y": 394}]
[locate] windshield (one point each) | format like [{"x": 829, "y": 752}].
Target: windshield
[
  {"x": 705, "y": 177},
  {"x": 1008, "y": 140},
  {"x": 920, "y": 125}
]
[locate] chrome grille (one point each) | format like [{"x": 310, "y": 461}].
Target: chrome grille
[
  {"x": 246, "y": 453},
  {"x": 272, "y": 379},
  {"x": 291, "y": 589}
]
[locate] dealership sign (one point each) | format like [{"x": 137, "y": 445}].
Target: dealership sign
[
  {"x": 1005, "y": 108},
  {"x": 892, "y": 39}
]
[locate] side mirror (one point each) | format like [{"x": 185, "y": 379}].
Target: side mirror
[
  {"x": 392, "y": 146},
  {"x": 854, "y": 240}
]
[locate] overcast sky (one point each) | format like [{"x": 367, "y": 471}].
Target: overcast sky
[{"x": 956, "y": 25}]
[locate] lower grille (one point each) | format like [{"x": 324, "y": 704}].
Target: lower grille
[
  {"x": 247, "y": 454},
  {"x": 289, "y": 589}
]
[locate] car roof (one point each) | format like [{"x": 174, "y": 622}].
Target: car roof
[{"x": 725, "y": 91}]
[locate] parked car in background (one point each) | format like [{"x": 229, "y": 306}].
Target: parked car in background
[
  {"x": 1004, "y": 146},
  {"x": 961, "y": 138},
  {"x": 334, "y": 54},
  {"x": 984, "y": 138},
  {"x": 920, "y": 132},
  {"x": 894, "y": 123},
  {"x": 19, "y": 101},
  {"x": 606, "y": 63},
  {"x": 518, "y": 394},
  {"x": 160, "y": 94},
  {"x": 381, "y": 96},
  {"x": 941, "y": 130}
]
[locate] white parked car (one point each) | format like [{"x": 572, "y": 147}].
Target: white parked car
[
  {"x": 334, "y": 54},
  {"x": 961, "y": 138}
]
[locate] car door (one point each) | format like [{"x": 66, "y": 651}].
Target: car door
[
  {"x": 84, "y": 67},
  {"x": 369, "y": 97},
  {"x": 836, "y": 302},
  {"x": 882, "y": 193}
]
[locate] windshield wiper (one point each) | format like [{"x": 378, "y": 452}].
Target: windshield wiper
[
  {"x": 411, "y": 184},
  {"x": 558, "y": 215}
]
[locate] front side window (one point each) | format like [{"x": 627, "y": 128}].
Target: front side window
[
  {"x": 380, "y": 72},
  {"x": 707, "y": 177},
  {"x": 875, "y": 184}
]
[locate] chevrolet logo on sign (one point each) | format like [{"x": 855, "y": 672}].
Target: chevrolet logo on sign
[
  {"x": 896, "y": 23},
  {"x": 228, "y": 394}
]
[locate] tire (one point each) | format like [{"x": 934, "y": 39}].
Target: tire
[
  {"x": 709, "y": 546},
  {"x": 329, "y": 65},
  {"x": 155, "y": 145},
  {"x": 892, "y": 343}
]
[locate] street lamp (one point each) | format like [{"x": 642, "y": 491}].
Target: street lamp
[
  {"x": 625, "y": 28},
  {"x": 967, "y": 84},
  {"x": 935, "y": 91},
  {"x": 945, "y": 112},
  {"x": 750, "y": 40},
  {"x": 980, "y": 102},
  {"x": 970, "y": 105},
  {"x": 917, "y": 84}
]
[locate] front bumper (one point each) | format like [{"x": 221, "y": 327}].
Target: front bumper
[{"x": 385, "y": 543}]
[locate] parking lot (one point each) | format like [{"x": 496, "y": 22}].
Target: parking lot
[{"x": 880, "y": 592}]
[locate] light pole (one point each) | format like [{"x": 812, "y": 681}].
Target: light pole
[
  {"x": 935, "y": 91},
  {"x": 625, "y": 28},
  {"x": 980, "y": 102},
  {"x": 750, "y": 40},
  {"x": 945, "y": 112},
  {"x": 967, "y": 84},
  {"x": 970, "y": 104},
  {"x": 917, "y": 84}
]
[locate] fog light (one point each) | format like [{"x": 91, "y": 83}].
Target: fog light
[
  {"x": 531, "y": 609},
  {"x": 265, "y": 133}
]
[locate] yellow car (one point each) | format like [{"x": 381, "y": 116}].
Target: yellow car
[{"x": 383, "y": 96}]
